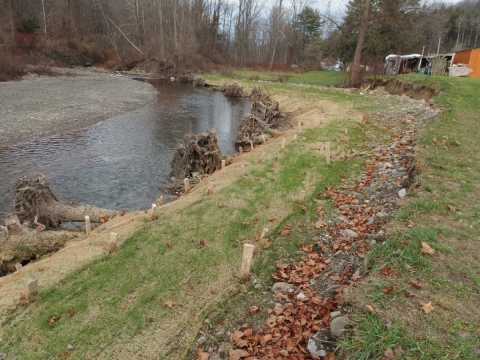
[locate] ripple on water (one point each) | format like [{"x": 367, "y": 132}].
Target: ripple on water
[{"x": 121, "y": 162}]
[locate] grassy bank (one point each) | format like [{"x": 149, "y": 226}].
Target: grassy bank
[
  {"x": 178, "y": 274},
  {"x": 442, "y": 211},
  {"x": 149, "y": 298}
]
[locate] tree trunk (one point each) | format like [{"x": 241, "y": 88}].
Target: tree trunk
[{"x": 356, "y": 70}]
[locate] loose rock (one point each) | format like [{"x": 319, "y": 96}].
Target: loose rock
[
  {"x": 338, "y": 325},
  {"x": 281, "y": 287}
]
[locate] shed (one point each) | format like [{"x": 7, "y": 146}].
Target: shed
[{"x": 469, "y": 57}]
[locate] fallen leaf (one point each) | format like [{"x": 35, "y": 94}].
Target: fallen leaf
[
  {"x": 213, "y": 292},
  {"x": 221, "y": 204},
  {"x": 416, "y": 283},
  {"x": 387, "y": 270},
  {"x": 169, "y": 303},
  {"x": 236, "y": 338},
  {"x": 237, "y": 354},
  {"x": 451, "y": 208},
  {"x": 254, "y": 309},
  {"x": 389, "y": 354},
  {"x": 398, "y": 351},
  {"x": 427, "y": 249},
  {"x": 245, "y": 224},
  {"x": 335, "y": 278},
  {"x": 272, "y": 219},
  {"x": 329, "y": 356},
  {"x": 123, "y": 306},
  {"x": 409, "y": 294},
  {"x": 202, "y": 355},
  {"x": 64, "y": 355},
  {"x": 410, "y": 223},
  {"x": 201, "y": 244},
  {"x": 284, "y": 352},
  {"x": 131, "y": 301},
  {"x": 267, "y": 244},
  {"x": 388, "y": 289},
  {"x": 320, "y": 224},
  {"x": 53, "y": 319},
  {"x": 123, "y": 212},
  {"x": 427, "y": 308},
  {"x": 370, "y": 309},
  {"x": 71, "y": 312}
]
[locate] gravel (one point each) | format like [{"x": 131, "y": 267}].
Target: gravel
[{"x": 39, "y": 106}]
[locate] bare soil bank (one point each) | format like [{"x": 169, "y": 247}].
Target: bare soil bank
[{"x": 38, "y": 106}]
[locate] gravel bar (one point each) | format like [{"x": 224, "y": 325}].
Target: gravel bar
[{"x": 40, "y": 106}]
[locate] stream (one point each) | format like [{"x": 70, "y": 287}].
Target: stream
[{"x": 121, "y": 163}]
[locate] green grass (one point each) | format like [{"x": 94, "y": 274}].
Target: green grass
[
  {"x": 451, "y": 276},
  {"x": 323, "y": 78}
]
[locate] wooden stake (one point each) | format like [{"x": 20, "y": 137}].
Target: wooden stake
[
  {"x": 210, "y": 188},
  {"x": 88, "y": 228},
  {"x": 263, "y": 138},
  {"x": 294, "y": 137},
  {"x": 32, "y": 287},
  {"x": 113, "y": 237},
  {"x": 223, "y": 164},
  {"x": 327, "y": 152},
  {"x": 186, "y": 182},
  {"x": 346, "y": 131},
  {"x": 18, "y": 266},
  {"x": 246, "y": 261},
  {"x": 153, "y": 212},
  {"x": 299, "y": 127},
  {"x": 243, "y": 170},
  {"x": 251, "y": 145},
  {"x": 283, "y": 145},
  {"x": 263, "y": 233},
  {"x": 240, "y": 150}
]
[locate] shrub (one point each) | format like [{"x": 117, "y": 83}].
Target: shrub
[{"x": 11, "y": 68}]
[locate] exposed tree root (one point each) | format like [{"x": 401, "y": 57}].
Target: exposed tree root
[
  {"x": 263, "y": 119},
  {"x": 199, "y": 154}
]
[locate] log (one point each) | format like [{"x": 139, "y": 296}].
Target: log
[
  {"x": 25, "y": 244},
  {"x": 35, "y": 205}
]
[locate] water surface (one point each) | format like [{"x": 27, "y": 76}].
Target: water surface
[{"x": 121, "y": 163}]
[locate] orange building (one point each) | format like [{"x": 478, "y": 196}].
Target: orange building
[{"x": 470, "y": 57}]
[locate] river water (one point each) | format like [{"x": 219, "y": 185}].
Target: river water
[{"x": 121, "y": 163}]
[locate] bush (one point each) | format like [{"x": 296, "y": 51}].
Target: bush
[{"x": 11, "y": 68}]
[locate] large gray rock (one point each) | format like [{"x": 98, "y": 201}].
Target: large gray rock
[{"x": 339, "y": 325}]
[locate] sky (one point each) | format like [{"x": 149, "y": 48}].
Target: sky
[{"x": 338, "y": 7}]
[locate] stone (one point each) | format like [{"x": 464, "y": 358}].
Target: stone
[
  {"x": 402, "y": 193},
  {"x": 320, "y": 343},
  {"x": 338, "y": 325},
  {"x": 371, "y": 220},
  {"x": 335, "y": 314},
  {"x": 349, "y": 233},
  {"x": 224, "y": 347},
  {"x": 381, "y": 215},
  {"x": 281, "y": 287},
  {"x": 70, "y": 347},
  {"x": 215, "y": 357},
  {"x": 258, "y": 286}
]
